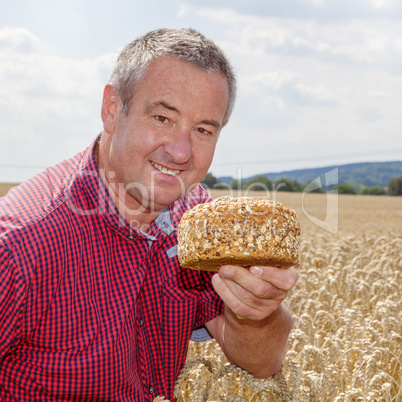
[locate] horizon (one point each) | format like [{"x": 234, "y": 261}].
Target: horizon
[
  {"x": 318, "y": 167},
  {"x": 257, "y": 174}
]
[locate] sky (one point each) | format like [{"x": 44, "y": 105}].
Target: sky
[{"x": 319, "y": 81}]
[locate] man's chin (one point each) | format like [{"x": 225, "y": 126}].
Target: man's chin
[
  {"x": 160, "y": 202},
  {"x": 155, "y": 200}
]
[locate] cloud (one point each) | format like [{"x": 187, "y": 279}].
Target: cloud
[
  {"x": 310, "y": 87},
  {"x": 320, "y": 95},
  {"x": 361, "y": 42},
  {"x": 285, "y": 86},
  {"x": 19, "y": 40},
  {"x": 308, "y": 10},
  {"x": 49, "y": 105}
]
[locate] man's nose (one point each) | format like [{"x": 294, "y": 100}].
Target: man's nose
[{"x": 178, "y": 145}]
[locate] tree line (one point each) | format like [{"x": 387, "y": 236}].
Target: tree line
[{"x": 263, "y": 183}]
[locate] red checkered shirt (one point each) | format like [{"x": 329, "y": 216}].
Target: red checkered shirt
[{"x": 91, "y": 308}]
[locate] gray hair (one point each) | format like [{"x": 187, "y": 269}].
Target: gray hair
[{"x": 186, "y": 44}]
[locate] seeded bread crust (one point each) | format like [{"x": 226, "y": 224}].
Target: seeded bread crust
[{"x": 238, "y": 231}]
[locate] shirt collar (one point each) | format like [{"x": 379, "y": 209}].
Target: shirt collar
[{"x": 164, "y": 222}]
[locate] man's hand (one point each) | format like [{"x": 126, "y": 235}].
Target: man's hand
[
  {"x": 254, "y": 327},
  {"x": 256, "y": 292}
]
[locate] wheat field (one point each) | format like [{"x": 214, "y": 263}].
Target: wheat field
[
  {"x": 4, "y": 187},
  {"x": 346, "y": 343}
]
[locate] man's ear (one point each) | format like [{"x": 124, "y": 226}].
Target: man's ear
[{"x": 110, "y": 108}]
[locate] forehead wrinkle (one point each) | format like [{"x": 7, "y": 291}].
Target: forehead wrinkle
[
  {"x": 153, "y": 105},
  {"x": 213, "y": 123},
  {"x": 150, "y": 106}
]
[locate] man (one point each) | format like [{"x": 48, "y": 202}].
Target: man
[{"x": 93, "y": 302}]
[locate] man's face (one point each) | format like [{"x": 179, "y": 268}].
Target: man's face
[{"x": 166, "y": 142}]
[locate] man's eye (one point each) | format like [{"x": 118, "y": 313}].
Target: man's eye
[
  {"x": 203, "y": 131},
  {"x": 162, "y": 119}
]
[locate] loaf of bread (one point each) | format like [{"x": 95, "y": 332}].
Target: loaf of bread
[{"x": 238, "y": 231}]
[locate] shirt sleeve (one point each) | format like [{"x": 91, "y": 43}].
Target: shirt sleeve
[
  {"x": 210, "y": 304},
  {"x": 11, "y": 301}
]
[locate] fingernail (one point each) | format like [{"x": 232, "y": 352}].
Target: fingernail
[
  {"x": 256, "y": 271},
  {"x": 216, "y": 279}
]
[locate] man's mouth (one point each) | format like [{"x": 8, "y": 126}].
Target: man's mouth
[{"x": 165, "y": 170}]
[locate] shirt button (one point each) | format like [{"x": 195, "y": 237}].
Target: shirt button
[
  {"x": 141, "y": 323},
  {"x": 151, "y": 390},
  {"x": 131, "y": 237}
]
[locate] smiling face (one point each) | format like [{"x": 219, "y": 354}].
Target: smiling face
[{"x": 166, "y": 142}]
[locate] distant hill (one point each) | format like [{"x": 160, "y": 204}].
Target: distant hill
[{"x": 356, "y": 174}]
